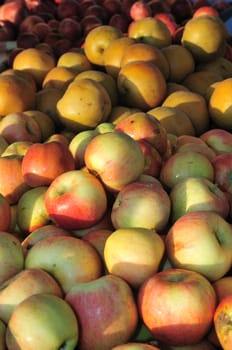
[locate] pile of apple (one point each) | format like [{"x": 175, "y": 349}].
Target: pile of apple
[
  {"x": 116, "y": 185},
  {"x": 64, "y": 24}
]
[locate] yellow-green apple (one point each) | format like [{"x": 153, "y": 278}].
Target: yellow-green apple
[
  {"x": 40, "y": 233},
  {"x": 26, "y": 282},
  {"x": 140, "y": 9},
  {"x": 135, "y": 346},
  {"x": 219, "y": 140},
  {"x": 84, "y": 104},
  {"x": 76, "y": 199},
  {"x": 181, "y": 165},
  {"x": 11, "y": 256},
  {"x": 69, "y": 260},
  {"x": 170, "y": 304},
  {"x": 134, "y": 254},
  {"x": 141, "y": 84},
  {"x": 197, "y": 193},
  {"x": 12, "y": 187},
  {"x": 97, "y": 40},
  {"x": 152, "y": 159},
  {"x": 150, "y": 30},
  {"x": 78, "y": 145},
  {"x": 141, "y": 204},
  {"x": 31, "y": 212},
  {"x": 20, "y": 127},
  {"x": 105, "y": 79},
  {"x": 105, "y": 127},
  {"x": 98, "y": 238},
  {"x": 222, "y": 322},
  {"x": 53, "y": 324},
  {"x": 46, "y": 123},
  {"x": 5, "y": 214},
  {"x": 43, "y": 162},
  {"x": 142, "y": 126},
  {"x": 108, "y": 307},
  {"x": 116, "y": 158},
  {"x": 222, "y": 165},
  {"x": 201, "y": 241},
  {"x": 16, "y": 148}
]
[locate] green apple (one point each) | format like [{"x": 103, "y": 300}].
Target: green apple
[{"x": 42, "y": 321}]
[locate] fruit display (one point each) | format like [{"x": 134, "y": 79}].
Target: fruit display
[{"x": 115, "y": 175}]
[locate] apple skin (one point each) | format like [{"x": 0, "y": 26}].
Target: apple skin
[
  {"x": 76, "y": 199},
  {"x": 5, "y": 214},
  {"x": 205, "y": 10},
  {"x": 222, "y": 165},
  {"x": 98, "y": 238},
  {"x": 17, "y": 148},
  {"x": 31, "y": 212},
  {"x": 27, "y": 282},
  {"x": 40, "y": 233},
  {"x": 184, "y": 164},
  {"x": 43, "y": 162},
  {"x": 209, "y": 252},
  {"x": 10, "y": 247},
  {"x": 134, "y": 254},
  {"x": 53, "y": 324},
  {"x": 222, "y": 321},
  {"x": 153, "y": 160},
  {"x": 219, "y": 140},
  {"x": 145, "y": 127},
  {"x": 170, "y": 304},
  {"x": 141, "y": 204},
  {"x": 192, "y": 193},
  {"x": 116, "y": 158},
  {"x": 20, "y": 127},
  {"x": 12, "y": 187},
  {"x": 50, "y": 254},
  {"x": 105, "y": 329}
]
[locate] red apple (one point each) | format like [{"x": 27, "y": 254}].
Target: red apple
[
  {"x": 43, "y": 162},
  {"x": 170, "y": 304},
  {"x": 41, "y": 29},
  {"x": 219, "y": 140},
  {"x": 76, "y": 199},
  {"x": 169, "y": 20},
  {"x": 13, "y": 12},
  {"x": 142, "y": 126},
  {"x": 28, "y": 23},
  {"x": 61, "y": 46},
  {"x": 112, "y": 6},
  {"x": 68, "y": 8},
  {"x": 69, "y": 29},
  {"x": 27, "y": 40},
  {"x": 98, "y": 239},
  {"x": 120, "y": 21},
  {"x": 222, "y": 165},
  {"x": 205, "y": 10},
  {"x": 140, "y": 9},
  {"x": 111, "y": 312},
  {"x": 90, "y": 22},
  {"x": 20, "y": 127},
  {"x": 125, "y": 7},
  {"x": 222, "y": 322},
  {"x": 99, "y": 11},
  {"x": 153, "y": 160},
  {"x": 12, "y": 187},
  {"x": 5, "y": 213}
]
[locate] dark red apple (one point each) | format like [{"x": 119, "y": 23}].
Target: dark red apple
[
  {"x": 27, "y": 40},
  {"x": 68, "y": 8},
  {"x": 112, "y": 6},
  {"x": 29, "y": 22},
  {"x": 41, "y": 29},
  {"x": 69, "y": 29},
  {"x": 182, "y": 10},
  {"x": 98, "y": 11},
  {"x": 120, "y": 21}
]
